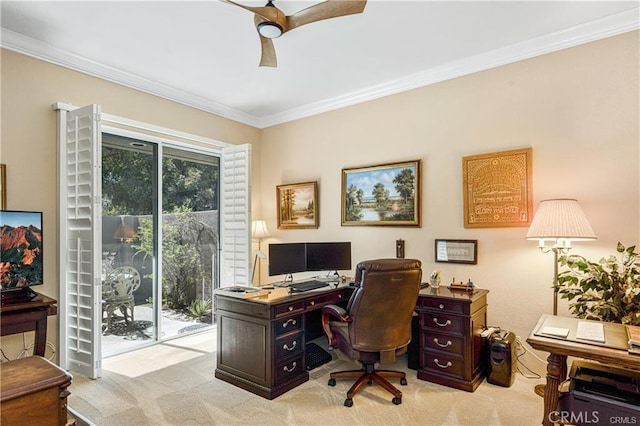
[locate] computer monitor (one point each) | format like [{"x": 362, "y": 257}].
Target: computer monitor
[
  {"x": 328, "y": 256},
  {"x": 286, "y": 258}
]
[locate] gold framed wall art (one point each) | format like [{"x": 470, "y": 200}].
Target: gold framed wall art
[
  {"x": 297, "y": 205},
  {"x": 383, "y": 195},
  {"x": 497, "y": 189}
]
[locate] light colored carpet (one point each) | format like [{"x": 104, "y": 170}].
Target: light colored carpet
[{"x": 173, "y": 384}]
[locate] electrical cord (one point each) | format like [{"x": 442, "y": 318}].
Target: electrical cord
[{"x": 524, "y": 350}]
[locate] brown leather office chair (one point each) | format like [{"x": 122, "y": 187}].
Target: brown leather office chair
[{"x": 376, "y": 326}]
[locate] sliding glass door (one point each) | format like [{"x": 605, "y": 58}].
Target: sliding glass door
[
  {"x": 151, "y": 290},
  {"x": 128, "y": 251},
  {"x": 189, "y": 240}
]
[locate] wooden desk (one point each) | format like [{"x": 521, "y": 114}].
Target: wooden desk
[
  {"x": 28, "y": 316},
  {"x": 261, "y": 341},
  {"x": 559, "y": 349}
]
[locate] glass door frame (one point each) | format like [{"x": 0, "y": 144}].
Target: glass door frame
[{"x": 157, "y": 224}]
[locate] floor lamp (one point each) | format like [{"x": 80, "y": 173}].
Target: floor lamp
[
  {"x": 259, "y": 231},
  {"x": 558, "y": 221}
]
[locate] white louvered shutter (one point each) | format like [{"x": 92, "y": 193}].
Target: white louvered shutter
[
  {"x": 236, "y": 216},
  {"x": 80, "y": 240}
]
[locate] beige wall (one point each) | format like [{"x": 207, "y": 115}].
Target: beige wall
[
  {"x": 578, "y": 109},
  {"x": 28, "y": 139}
]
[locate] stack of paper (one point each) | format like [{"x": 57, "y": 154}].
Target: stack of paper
[
  {"x": 555, "y": 331},
  {"x": 588, "y": 330}
]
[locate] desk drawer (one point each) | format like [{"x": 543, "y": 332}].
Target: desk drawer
[
  {"x": 444, "y": 322},
  {"x": 289, "y": 345},
  {"x": 444, "y": 305},
  {"x": 443, "y": 363},
  {"x": 288, "y": 325},
  {"x": 290, "y": 369},
  {"x": 444, "y": 343},
  {"x": 288, "y": 308},
  {"x": 323, "y": 299}
]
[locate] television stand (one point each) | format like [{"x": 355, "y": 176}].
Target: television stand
[
  {"x": 29, "y": 315},
  {"x": 17, "y": 295}
]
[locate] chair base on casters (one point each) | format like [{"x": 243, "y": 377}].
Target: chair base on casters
[{"x": 369, "y": 375}]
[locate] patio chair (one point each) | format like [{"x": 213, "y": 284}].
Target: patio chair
[{"x": 117, "y": 293}]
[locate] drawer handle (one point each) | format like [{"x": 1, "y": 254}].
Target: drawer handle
[
  {"x": 290, "y": 308},
  {"x": 435, "y": 340},
  {"x": 448, "y": 322},
  {"x": 441, "y": 306},
  {"x": 286, "y": 347},
  {"x": 289, "y": 370},
  {"x": 339, "y": 296},
  {"x": 312, "y": 302},
  {"x": 442, "y": 366},
  {"x": 286, "y": 323}
]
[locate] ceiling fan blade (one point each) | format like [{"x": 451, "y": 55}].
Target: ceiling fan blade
[
  {"x": 325, "y": 10},
  {"x": 268, "y": 56},
  {"x": 267, "y": 12}
]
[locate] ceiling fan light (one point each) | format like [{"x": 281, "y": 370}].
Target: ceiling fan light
[{"x": 269, "y": 29}]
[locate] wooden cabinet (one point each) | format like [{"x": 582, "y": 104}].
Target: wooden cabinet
[
  {"x": 451, "y": 348},
  {"x": 33, "y": 392},
  {"x": 261, "y": 343}
]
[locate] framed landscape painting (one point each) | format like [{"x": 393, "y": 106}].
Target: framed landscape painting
[
  {"x": 297, "y": 205},
  {"x": 384, "y": 195}
]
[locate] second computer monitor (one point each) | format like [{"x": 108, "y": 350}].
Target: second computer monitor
[{"x": 329, "y": 256}]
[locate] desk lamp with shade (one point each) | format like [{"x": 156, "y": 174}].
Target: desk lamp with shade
[
  {"x": 259, "y": 231},
  {"x": 559, "y": 221}
]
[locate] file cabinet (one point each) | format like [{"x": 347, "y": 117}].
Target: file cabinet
[{"x": 451, "y": 348}]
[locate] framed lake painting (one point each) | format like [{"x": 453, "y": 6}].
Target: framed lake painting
[
  {"x": 297, "y": 205},
  {"x": 383, "y": 195}
]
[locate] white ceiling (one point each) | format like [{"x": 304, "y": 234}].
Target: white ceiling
[{"x": 206, "y": 53}]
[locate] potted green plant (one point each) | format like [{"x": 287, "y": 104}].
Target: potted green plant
[{"x": 607, "y": 290}]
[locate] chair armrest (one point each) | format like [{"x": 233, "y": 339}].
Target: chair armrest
[{"x": 329, "y": 312}]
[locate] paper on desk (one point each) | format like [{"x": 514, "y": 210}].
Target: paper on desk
[
  {"x": 555, "y": 331},
  {"x": 593, "y": 331}
]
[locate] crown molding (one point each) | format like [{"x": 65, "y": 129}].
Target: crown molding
[
  {"x": 595, "y": 30},
  {"x": 37, "y": 49}
]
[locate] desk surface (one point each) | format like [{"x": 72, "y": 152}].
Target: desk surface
[
  {"x": 37, "y": 302},
  {"x": 278, "y": 294},
  {"x": 570, "y": 347},
  {"x": 560, "y": 349}
]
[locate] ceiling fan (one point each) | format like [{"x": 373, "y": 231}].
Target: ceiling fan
[{"x": 271, "y": 22}]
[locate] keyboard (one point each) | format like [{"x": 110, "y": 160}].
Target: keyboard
[{"x": 307, "y": 285}]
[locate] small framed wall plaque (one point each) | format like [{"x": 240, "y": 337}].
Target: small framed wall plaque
[{"x": 457, "y": 251}]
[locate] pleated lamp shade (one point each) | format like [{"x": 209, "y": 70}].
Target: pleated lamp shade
[{"x": 560, "y": 219}]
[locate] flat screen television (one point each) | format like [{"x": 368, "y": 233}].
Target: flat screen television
[
  {"x": 328, "y": 256},
  {"x": 21, "y": 252},
  {"x": 286, "y": 258}
]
